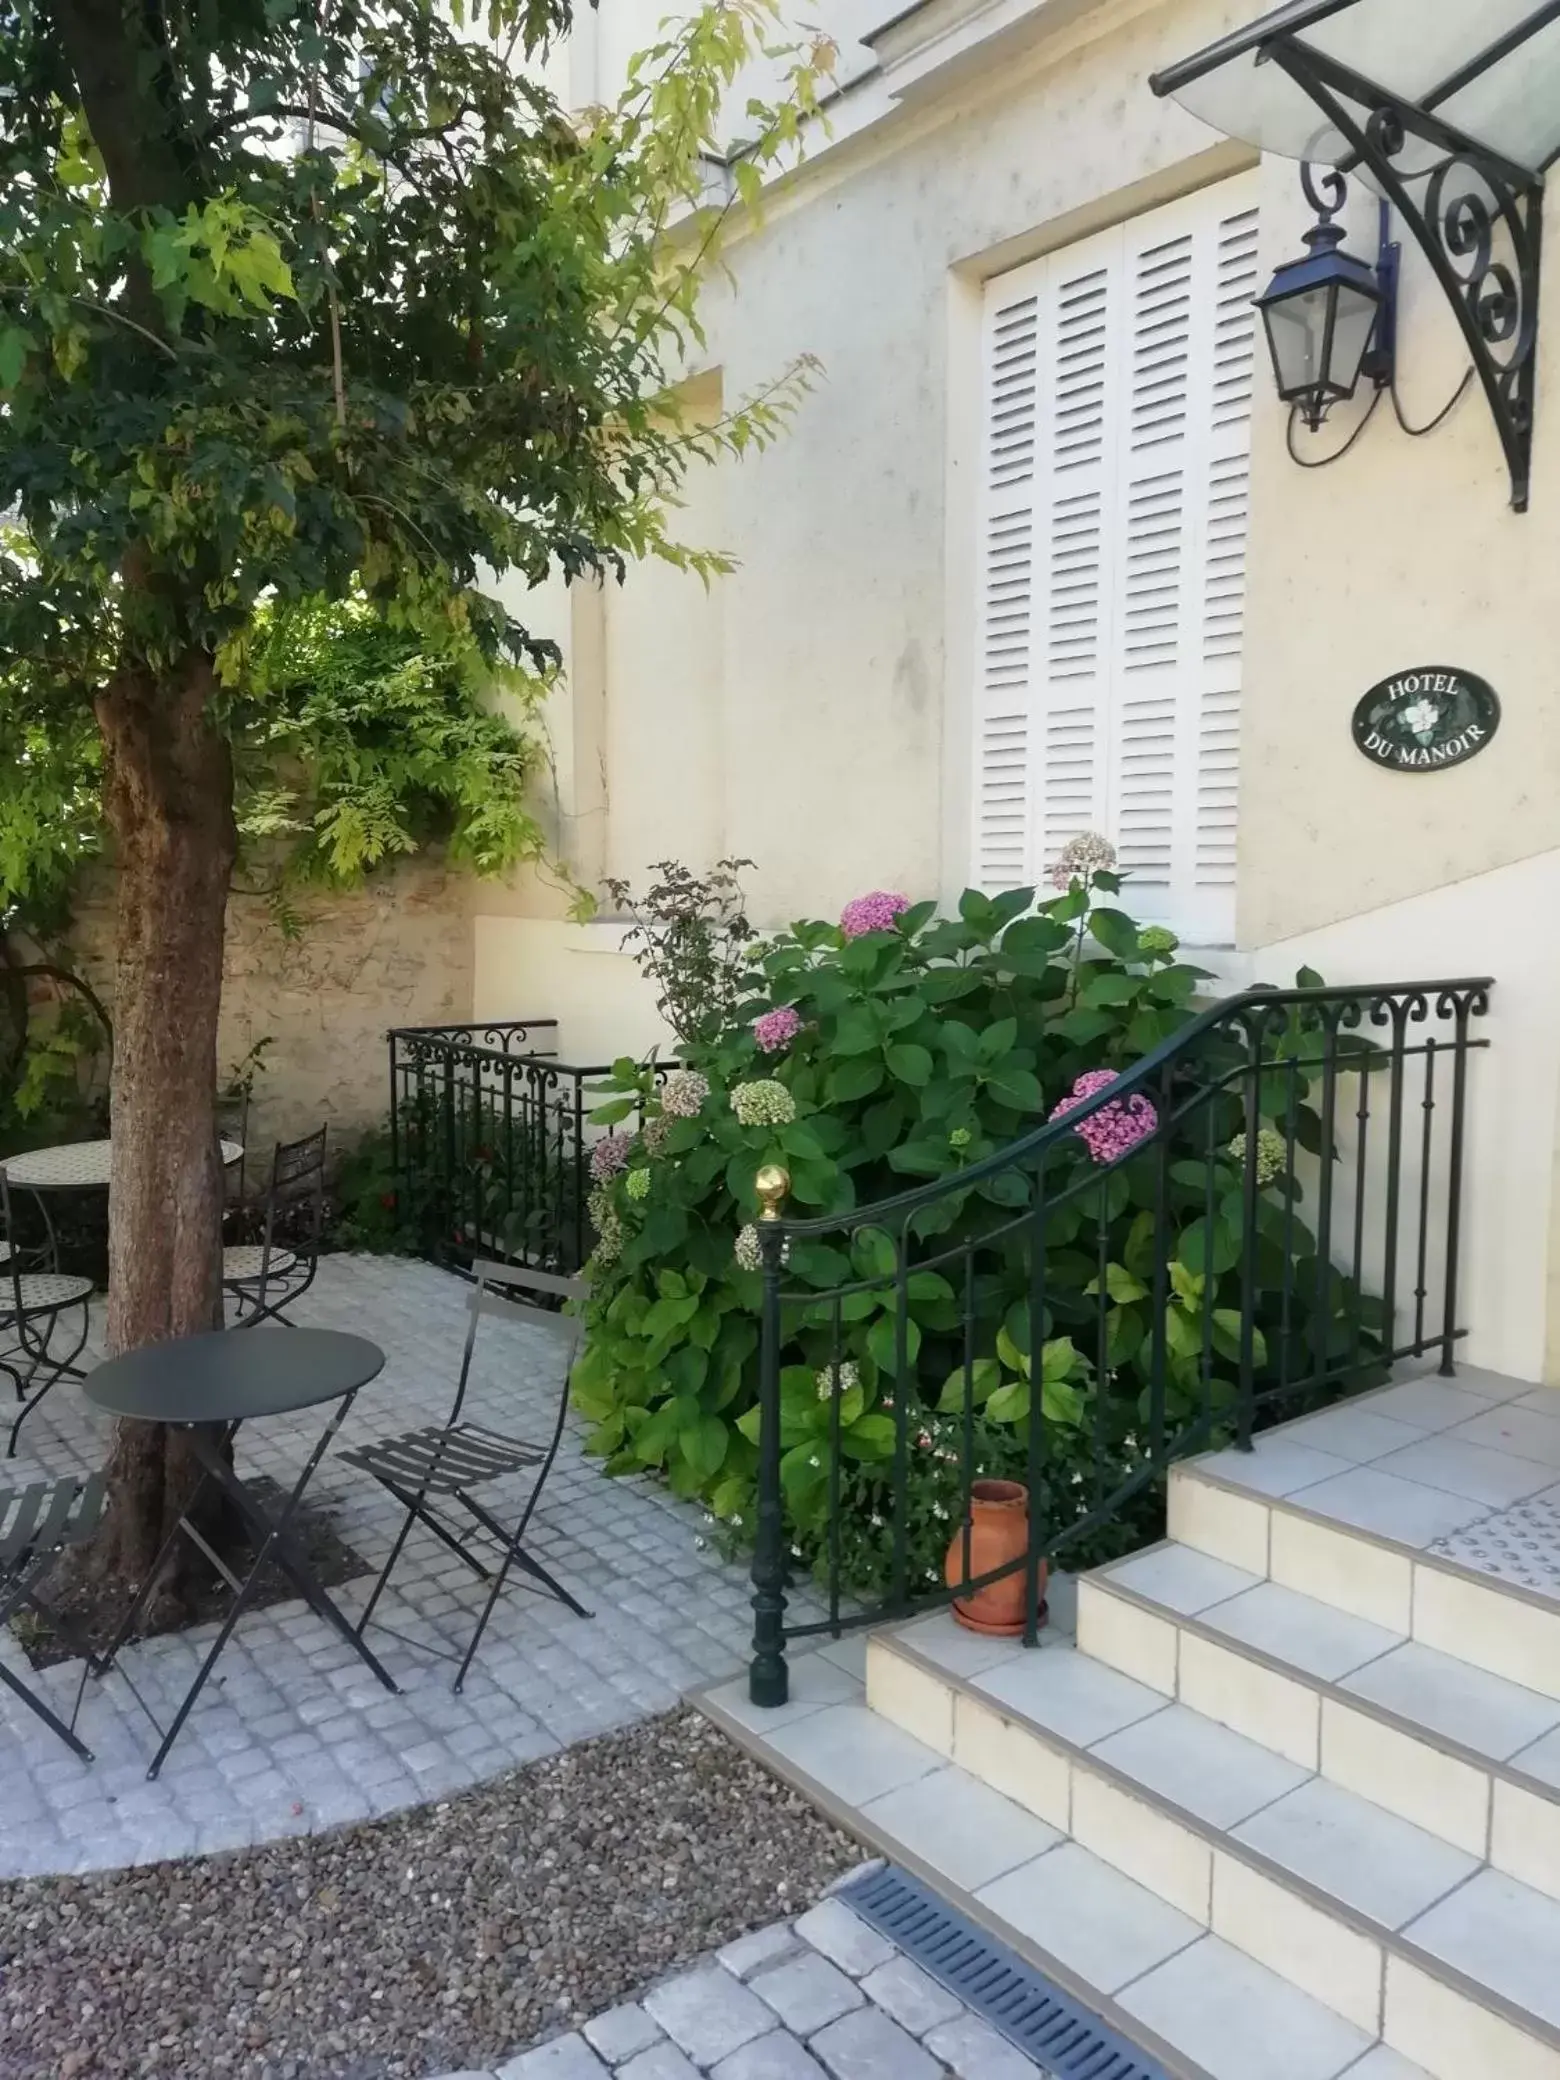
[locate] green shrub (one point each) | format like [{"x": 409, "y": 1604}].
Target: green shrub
[{"x": 909, "y": 1048}]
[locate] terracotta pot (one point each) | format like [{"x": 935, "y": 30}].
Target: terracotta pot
[{"x": 999, "y": 1532}]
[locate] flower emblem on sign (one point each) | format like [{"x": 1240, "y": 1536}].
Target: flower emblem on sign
[{"x": 1422, "y": 717}]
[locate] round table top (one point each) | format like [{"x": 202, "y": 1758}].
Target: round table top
[
  {"x": 230, "y": 1375},
  {"x": 72, "y": 1165}
]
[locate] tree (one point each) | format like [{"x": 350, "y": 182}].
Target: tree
[{"x": 300, "y": 298}]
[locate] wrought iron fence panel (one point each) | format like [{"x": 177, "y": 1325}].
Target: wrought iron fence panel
[
  {"x": 1261, "y": 1215},
  {"x": 490, "y": 1143}
]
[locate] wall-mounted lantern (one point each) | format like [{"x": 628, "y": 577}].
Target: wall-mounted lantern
[
  {"x": 1328, "y": 316},
  {"x": 1453, "y": 126}
]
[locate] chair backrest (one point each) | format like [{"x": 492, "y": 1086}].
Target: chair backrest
[
  {"x": 233, "y": 1125},
  {"x": 297, "y": 1181},
  {"x": 11, "y": 1268},
  {"x": 486, "y": 1300}
]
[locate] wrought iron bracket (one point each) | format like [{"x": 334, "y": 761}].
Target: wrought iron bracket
[{"x": 1477, "y": 218}]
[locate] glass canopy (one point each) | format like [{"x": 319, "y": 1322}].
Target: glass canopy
[{"x": 1490, "y": 69}]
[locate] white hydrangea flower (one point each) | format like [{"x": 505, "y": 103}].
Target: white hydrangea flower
[
  {"x": 1081, "y": 858},
  {"x": 683, "y": 1094},
  {"x": 838, "y": 1379},
  {"x": 763, "y": 1104},
  {"x": 1272, "y": 1154}
]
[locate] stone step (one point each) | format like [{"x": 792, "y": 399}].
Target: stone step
[
  {"x": 1466, "y": 1755},
  {"x": 1430, "y": 1509},
  {"x": 1165, "y": 1979},
  {"x": 1402, "y": 1934}
]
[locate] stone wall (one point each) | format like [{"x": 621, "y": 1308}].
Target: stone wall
[{"x": 396, "y": 952}]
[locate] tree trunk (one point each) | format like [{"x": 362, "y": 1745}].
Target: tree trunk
[{"x": 168, "y": 799}]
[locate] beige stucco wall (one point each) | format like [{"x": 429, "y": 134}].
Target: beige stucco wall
[
  {"x": 814, "y": 712},
  {"x": 1406, "y": 553},
  {"x": 396, "y": 952}
]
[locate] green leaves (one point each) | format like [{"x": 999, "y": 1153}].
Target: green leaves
[
  {"x": 911, "y": 1064},
  {"x": 15, "y": 347}
]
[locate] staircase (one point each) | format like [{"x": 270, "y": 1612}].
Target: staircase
[{"x": 1283, "y": 1801}]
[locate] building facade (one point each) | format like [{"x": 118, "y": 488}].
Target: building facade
[{"x": 1036, "y": 557}]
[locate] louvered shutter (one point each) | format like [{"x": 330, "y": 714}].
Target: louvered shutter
[
  {"x": 1113, "y": 553},
  {"x": 1076, "y": 467},
  {"x": 1004, "y": 723},
  {"x": 1235, "y": 283}
]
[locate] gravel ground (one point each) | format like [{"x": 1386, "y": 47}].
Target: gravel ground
[{"x": 449, "y": 1937}]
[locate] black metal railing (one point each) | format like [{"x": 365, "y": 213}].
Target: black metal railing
[
  {"x": 1259, "y": 1216},
  {"x": 490, "y": 1143}
]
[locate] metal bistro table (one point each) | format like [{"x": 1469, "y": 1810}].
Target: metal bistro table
[
  {"x": 210, "y": 1385},
  {"x": 76, "y": 1166}
]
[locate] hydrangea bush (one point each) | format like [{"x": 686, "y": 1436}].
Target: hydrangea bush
[{"x": 867, "y": 1057}]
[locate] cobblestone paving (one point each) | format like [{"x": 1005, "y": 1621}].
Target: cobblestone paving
[
  {"x": 824, "y": 1997},
  {"x": 293, "y": 1734}
]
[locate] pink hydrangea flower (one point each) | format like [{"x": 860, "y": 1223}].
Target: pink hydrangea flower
[
  {"x": 777, "y": 1028},
  {"x": 609, "y": 1157},
  {"x": 1115, "y": 1128},
  {"x": 872, "y": 913}
]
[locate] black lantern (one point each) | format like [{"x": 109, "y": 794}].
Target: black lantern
[
  {"x": 1321, "y": 315},
  {"x": 1450, "y": 111}
]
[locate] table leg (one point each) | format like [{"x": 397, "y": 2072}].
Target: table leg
[
  {"x": 275, "y": 1544},
  {"x": 143, "y": 1596}
]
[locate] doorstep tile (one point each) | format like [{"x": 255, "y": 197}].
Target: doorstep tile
[
  {"x": 1502, "y": 1933},
  {"x": 1300, "y": 1631},
  {"x": 1523, "y": 1431},
  {"x": 953, "y": 1647},
  {"x": 1452, "y": 1462},
  {"x": 1391, "y": 1508},
  {"x": 1178, "y": 1577},
  {"x": 1237, "y": 2019},
  {"x": 1089, "y": 1917},
  {"x": 1425, "y": 1404},
  {"x": 1451, "y": 1697},
  {"x": 1332, "y": 1566},
  {"x": 815, "y": 1683},
  {"x": 1279, "y": 1465},
  {"x": 963, "y": 1829},
  {"x": 1454, "y": 2037},
  {"x": 1541, "y": 1760},
  {"x": 1080, "y": 1699},
  {"x": 853, "y": 1753},
  {"x": 1348, "y": 1432},
  {"x": 1200, "y": 1766},
  {"x": 1353, "y": 1851},
  {"x": 1384, "y": 2064},
  {"x": 1312, "y": 1946}
]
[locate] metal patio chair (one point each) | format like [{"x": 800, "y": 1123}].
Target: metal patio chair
[
  {"x": 431, "y": 1472},
  {"x": 38, "y": 1525},
  {"x": 264, "y": 1278},
  {"x": 32, "y": 1303}
]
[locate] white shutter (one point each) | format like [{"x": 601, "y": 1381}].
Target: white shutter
[
  {"x": 1076, "y": 466},
  {"x": 1005, "y": 705},
  {"x": 1224, "y": 564},
  {"x": 1113, "y": 555}
]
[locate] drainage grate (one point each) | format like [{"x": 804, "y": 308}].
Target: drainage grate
[{"x": 1047, "y": 2025}]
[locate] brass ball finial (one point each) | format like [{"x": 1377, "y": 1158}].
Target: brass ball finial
[{"x": 772, "y": 1183}]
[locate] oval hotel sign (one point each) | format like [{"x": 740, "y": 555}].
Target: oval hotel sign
[{"x": 1420, "y": 720}]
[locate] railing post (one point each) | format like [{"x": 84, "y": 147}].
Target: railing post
[
  {"x": 396, "y": 1179},
  {"x": 1454, "y": 1184},
  {"x": 768, "y": 1676}
]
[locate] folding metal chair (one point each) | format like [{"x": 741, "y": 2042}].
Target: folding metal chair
[
  {"x": 31, "y": 1304},
  {"x": 431, "y": 1472},
  {"x": 266, "y": 1277},
  {"x": 38, "y": 1525}
]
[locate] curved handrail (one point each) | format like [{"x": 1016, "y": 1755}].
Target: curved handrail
[{"x": 1053, "y": 1132}]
